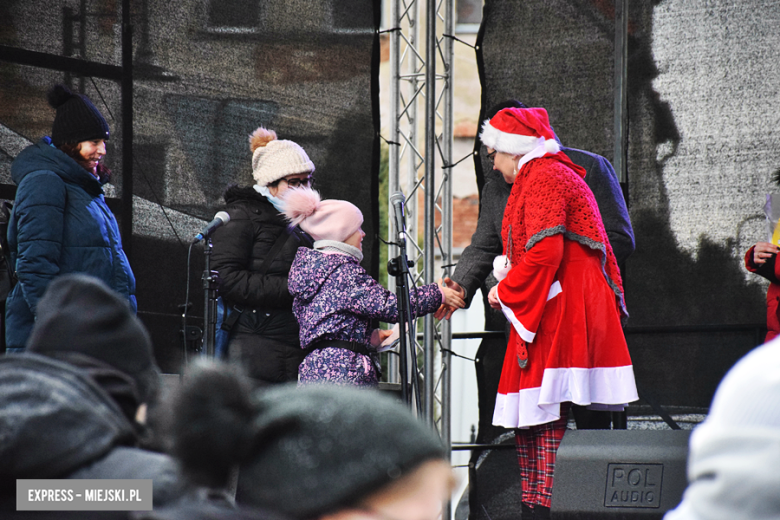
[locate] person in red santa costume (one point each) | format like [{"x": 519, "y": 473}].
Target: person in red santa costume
[{"x": 560, "y": 288}]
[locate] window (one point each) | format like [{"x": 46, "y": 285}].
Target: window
[
  {"x": 353, "y": 14},
  {"x": 468, "y": 15},
  {"x": 272, "y": 18},
  {"x": 244, "y": 14}
]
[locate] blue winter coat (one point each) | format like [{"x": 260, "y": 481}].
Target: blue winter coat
[{"x": 60, "y": 224}]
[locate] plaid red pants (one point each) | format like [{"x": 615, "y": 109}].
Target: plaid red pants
[{"x": 537, "y": 447}]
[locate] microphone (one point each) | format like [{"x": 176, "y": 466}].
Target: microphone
[
  {"x": 397, "y": 200},
  {"x": 219, "y": 219}
]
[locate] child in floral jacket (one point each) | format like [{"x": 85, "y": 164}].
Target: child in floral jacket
[{"x": 335, "y": 299}]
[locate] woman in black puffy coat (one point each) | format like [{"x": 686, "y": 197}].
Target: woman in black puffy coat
[{"x": 253, "y": 253}]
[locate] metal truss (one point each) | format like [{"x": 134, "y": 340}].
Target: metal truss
[{"x": 420, "y": 157}]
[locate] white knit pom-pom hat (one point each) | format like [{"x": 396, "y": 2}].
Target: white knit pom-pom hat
[
  {"x": 518, "y": 131},
  {"x": 274, "y": 159}
]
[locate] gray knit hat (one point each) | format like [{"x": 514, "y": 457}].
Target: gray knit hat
[
  {"x": 77, "y": 119},
  {"x": 79, "y": 313},
  {"x": 274, "y": 159},
  {"x": 320, "y": 448},
  {"x": 301, "y": 452}
]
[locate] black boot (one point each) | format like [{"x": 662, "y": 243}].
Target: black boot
[
  {"x": 541, "y": 512},
  {"x": 527, "y": 512}
]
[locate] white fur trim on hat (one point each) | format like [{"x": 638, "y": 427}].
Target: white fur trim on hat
[
  {"x": 278, "y": 159},
  {"x": 514, "y": 144},
  {"x": 543, "y": 147}
]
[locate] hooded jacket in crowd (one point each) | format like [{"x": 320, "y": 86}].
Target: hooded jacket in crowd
[
  {"x": 57, "y": 422},
  {"x": 60, "y": 224}
]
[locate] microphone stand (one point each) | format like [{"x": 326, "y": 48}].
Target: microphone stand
[
  {"x": 399, "y": 267},
  {"x": 210, "y": 279}
]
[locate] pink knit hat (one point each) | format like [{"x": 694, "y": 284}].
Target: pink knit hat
[{"x": 323, "y": 219}]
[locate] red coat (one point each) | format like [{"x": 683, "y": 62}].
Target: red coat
[
  {"x": 772, "y": 294},
  {"x": 563, "y": 300}
]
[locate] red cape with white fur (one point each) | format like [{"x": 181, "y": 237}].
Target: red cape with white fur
[{"x": 564, "y": 298}]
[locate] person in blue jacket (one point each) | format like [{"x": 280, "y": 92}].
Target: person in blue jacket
[{"x": 60, "y": 222}]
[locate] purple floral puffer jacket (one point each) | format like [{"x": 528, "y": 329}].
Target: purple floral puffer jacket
[{"x": 334, "y": 298}]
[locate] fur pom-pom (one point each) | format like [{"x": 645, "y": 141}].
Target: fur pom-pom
[
  {"x": 300, "y": 203},
  {"x": 212, "y": 414},
  {"x": 501, "y": 267},
  {"x": 552, "y": 146},
  {"x": 58, "y": 95},
  {"x": 260, "y": 138}
]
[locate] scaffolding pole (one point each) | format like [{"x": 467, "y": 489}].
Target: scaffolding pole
[
  {"x": 430, "y": 203},
  {"x": 419, "y": 149}
]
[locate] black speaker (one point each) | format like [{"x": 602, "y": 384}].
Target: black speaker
[
  {"x": 495, "y": 490},
  {"x": 619, "y": 474}
]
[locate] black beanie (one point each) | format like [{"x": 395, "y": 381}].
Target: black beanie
[
  {"x": 79, "y": 313},
  {"x": 320, "y": 448},
  {"x": 77, "y": 118}
]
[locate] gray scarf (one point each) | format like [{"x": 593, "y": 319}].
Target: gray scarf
[{"x": 338, "y": 247}]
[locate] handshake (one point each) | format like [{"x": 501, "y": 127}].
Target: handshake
[{"x": 453, "y": 298}]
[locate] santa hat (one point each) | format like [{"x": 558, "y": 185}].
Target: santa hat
[
  {"x": 518, "y": 131},
  {"x": 322, "y": 219},
  {"x": 274, "y": 159}
]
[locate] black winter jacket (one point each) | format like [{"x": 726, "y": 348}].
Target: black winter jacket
[
  {"x": 56, "y": 422},
  {"x": 241, "y": 248}
]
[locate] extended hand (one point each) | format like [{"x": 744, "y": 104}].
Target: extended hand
[
  {"x": 763, "y": 251},
  {"x": 493, "y": 298},
  {"x": 453, "y": 300},
  {"x": 379, "y": 335}
]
